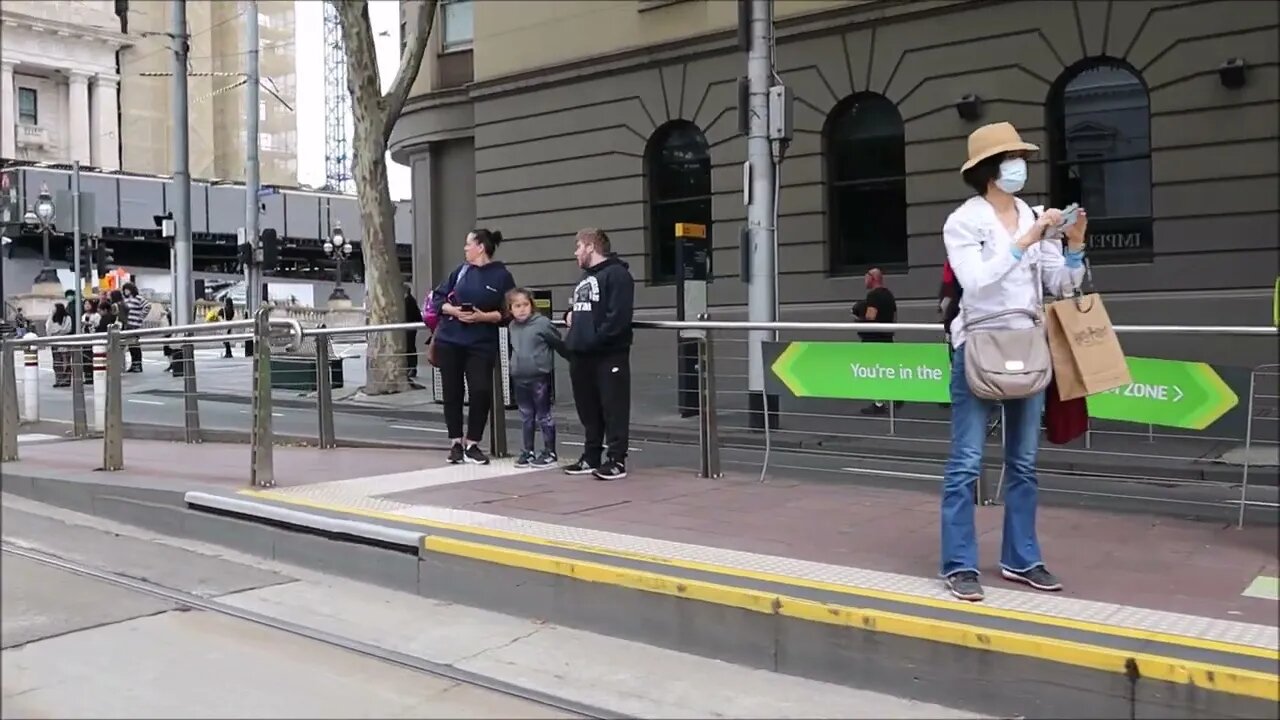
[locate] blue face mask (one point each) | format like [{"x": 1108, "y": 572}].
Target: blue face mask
[{"x": 1013, "y": 175}]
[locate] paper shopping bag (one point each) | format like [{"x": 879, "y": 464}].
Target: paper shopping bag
[{"x": 1087, "y": 357}]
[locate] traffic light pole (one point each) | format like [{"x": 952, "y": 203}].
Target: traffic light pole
[
  {"x": 183, "y": 292},
  {"x": 76, "y": 259},
  {"x": 252, "y": 272}
]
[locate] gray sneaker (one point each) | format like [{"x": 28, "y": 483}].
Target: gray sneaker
[
  {"x": 525, "y": 459},
  {"x": 1037, "y": 577},
  {"x": 546, "y": 458}
]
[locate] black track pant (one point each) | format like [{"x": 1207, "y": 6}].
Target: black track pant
[
  {"x": 475, "y": 366},
  {"x": 602, "y": 394}
]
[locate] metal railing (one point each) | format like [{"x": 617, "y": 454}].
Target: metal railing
[{"x": 721, "y": 391}]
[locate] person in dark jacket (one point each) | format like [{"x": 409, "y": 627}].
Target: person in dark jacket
[
  {"x": 471, "y": 302},
  {"x": 228, "y": 314},
  {"x": 599, "y": 346},
  {"x": 412, "y": 314}
]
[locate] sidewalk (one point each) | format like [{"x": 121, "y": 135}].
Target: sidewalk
[{"x": 1186, "y": 603}]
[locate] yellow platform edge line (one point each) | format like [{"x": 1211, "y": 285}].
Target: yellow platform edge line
[
  {"x": 1217, "y": 678},
  {"x": 886, "y": 595}
]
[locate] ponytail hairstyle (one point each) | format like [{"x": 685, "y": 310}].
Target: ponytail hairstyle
[{"x": 488, "y": 239}]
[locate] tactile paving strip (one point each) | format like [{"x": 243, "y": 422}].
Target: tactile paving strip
[{"x": 1192, "y": 626}]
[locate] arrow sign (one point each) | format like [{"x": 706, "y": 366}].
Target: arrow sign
[
  {"x": 911, "y": 372},
  {"x": 1172, "y": 393}
]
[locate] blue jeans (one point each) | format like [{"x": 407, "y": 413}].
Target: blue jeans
[
  {"x": 1020, "y": 550},
  {"x": 533, "y": 397}
]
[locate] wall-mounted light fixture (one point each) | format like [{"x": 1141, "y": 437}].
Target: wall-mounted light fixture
[
  {"x": 969, "y": 107},
  {"x": 1232, "y": 73}
]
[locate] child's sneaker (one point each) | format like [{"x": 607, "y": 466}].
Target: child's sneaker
[
  {"x": 546, "y": 458},
  {"x": 525, "y": 459}
]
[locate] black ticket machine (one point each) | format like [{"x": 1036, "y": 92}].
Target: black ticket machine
[{"x": 693, "y": 264}]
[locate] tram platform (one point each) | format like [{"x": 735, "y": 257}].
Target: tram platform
[{"x": 1161, "y": 617}]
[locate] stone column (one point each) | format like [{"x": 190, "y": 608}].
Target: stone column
[
  {"x": 9, "y": 112},
  {"x": 78, "y": 116},
  {"x": 105, "y": 143}
]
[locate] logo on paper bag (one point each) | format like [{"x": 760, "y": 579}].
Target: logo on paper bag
[{"x": 1092, "y": 335}]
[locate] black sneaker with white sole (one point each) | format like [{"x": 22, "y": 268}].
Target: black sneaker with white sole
[
  {"x": 525, "y": 459},
  {"x": 582, "y": 467},
  {"x": 1037, "y": 577},
  {"x": 611, "y": 470},
  {"x": 965, "y": 586},
  {"x": 545, "y": 459},
  {"x": 473, "y": 455},
  {"x": 455, "y": 454}
]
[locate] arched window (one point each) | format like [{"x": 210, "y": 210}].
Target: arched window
[
  {"x": 1100, "y": 152},
  {"x": 678, "y": 169},
  {"x": 866, "y": 156}
]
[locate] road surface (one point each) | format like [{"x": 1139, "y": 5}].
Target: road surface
[{"x": 77, "y": 646}]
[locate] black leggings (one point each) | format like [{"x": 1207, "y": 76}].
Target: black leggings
[{"x": 458, "y": 363}]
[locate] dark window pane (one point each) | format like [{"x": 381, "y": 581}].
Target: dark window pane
[
  {"x": 869, "y": 225},
  {"x": 865, "y": 140},
  {"x": 866, "y": 187},
  {"x": 680, "y": 164},
  {"x": 679, "y": 172},
  {"x": 662, "y": 232},
  {"x": 1101, "y": 123}
]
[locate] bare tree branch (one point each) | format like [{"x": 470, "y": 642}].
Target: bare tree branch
[{"x": 419, "y": 32}]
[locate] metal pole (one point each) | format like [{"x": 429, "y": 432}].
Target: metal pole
[
  {"x": 183, "y": 293},
  {"x": 113, "y": 436},
  {"x": 77, "y": 270},
  {"x": 498, "y": 413},
  {"x": 761, "y": 300},
  {"x": 190, "y": 397},
  {"x": 709, "y": 440},
  {"x": 1248, "y": 447},
  {"x": 31, "y": 383},
  {"x": 9, "y": 401},
  {"x": 262, "y": 462},
  {"x": 100, "y": 388},
  {"x": 324, "y": 394},
  {"x": 79, "y": 417},
  {"x": 251, "y": 181}
]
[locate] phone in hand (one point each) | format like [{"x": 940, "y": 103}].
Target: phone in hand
[{"x": 467, "y": 307}]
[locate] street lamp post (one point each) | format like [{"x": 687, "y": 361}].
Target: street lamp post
[
  {"x": 338, "y": 249},
  {"x": 43, "y": 215}
]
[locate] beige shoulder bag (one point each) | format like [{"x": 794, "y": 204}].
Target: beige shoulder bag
[{"x": 1004, "y": 364}]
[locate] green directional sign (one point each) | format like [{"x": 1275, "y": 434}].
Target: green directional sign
[
  {"x": 1172, "y": 393},
  {"x": 911, "y": 372}
]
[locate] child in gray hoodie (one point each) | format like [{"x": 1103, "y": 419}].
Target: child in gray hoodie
[{"x": 533, "y": 340}]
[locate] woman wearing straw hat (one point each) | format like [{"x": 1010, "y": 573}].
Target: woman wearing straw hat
[{"x": 999, "y": 250}]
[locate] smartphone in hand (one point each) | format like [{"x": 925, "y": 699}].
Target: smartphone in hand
[{"x": 467, "y": 307}]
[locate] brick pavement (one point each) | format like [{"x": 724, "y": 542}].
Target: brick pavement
[{"x": 1157, "y": 562}]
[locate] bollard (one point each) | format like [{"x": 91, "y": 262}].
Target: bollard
[
  {"x": 8, "y": 405},
  {"x": 261, "y": 462},
  {"x": 324, "y": 395},
  {"x": 113, "y": 431},
  {"x": 99, "y": 388},
  {"x": 497, "y": 416},
  {"x": 708, "y": 440},
  {"x": 190, "y": 401},
  {"x": 31, "y": 385},
  {"x": 79, "y": 421}
]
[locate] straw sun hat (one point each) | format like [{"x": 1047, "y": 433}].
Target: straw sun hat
[{"x": 994, "y": 139}]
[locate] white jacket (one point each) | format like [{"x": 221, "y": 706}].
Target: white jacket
[{"x": 981, "y": 253}]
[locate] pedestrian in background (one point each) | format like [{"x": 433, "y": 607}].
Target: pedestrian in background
[
  {"x": 880, "y": 306},
  {"x": 599, "y": 345},
  {"x": 534, "y": 342},
  {"x": 412, "y": 314},
  {"x": 136, "y": 310},
  {"x": 59, "y": 323}
]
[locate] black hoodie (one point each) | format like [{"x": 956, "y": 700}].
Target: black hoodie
[{"x": 602, "y": 305}]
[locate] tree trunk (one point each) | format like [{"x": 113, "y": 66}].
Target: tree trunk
[{"x": 374, "y": 116}]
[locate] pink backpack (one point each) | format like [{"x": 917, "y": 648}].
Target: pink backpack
[{"x": 430, "y": 306}]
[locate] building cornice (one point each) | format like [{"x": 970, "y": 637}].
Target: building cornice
[{"x": 65, "y": 29}]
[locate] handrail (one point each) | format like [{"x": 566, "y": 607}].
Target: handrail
[
  {"x": 219, "y": 329},
  {"x": 1248, "y": 330}
]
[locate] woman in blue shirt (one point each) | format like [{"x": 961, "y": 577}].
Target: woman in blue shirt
[{"x": 466, "y": 342}]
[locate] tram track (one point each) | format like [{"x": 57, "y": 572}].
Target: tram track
[{"x": 190, "y": 601}]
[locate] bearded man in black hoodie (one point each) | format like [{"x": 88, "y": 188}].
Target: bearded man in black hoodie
[{"x": 599, "y": 347}]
